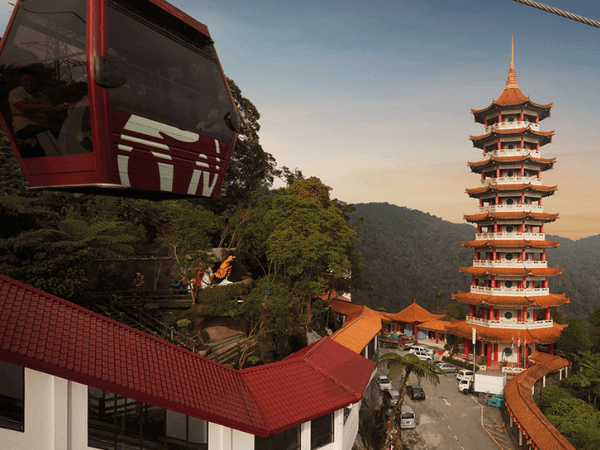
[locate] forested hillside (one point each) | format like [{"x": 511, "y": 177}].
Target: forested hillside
[{"x": 409, "y": 254}]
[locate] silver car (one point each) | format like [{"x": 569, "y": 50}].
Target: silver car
[{"x": 448, "y": 368}]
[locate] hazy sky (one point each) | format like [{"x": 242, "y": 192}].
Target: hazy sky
[{"x": 374, "y": 98}]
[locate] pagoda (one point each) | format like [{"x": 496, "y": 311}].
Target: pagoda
[{"x": 509, "y": 300}]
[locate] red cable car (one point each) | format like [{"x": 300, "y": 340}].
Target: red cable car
[{"x": 125, "y": 95}]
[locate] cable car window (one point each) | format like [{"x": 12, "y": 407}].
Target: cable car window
[
  {"x": 44, "y": 86},
  {"x": 168, "y": 80}
]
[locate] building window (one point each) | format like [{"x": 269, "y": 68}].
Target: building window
[
  {"x": 509, "y": 201},
  {"x": 116, "y": 422},
  {"x": 12, "y": 396},
  {"x": 507, "y": 352},
  {"x": 508, "y": 284},
  {"x": 508, "y": 315},
  {"x": 286, "y": 440},
  {"x": 321, "y": 431},
  {"x": 509, "y": 256},
  {"x": 347, "y": 413},
  {"x": 509, "y": 229}
]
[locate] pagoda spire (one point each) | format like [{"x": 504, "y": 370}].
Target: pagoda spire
[{"x": 511, "y": 81}]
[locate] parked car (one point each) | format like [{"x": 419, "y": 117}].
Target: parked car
[
  {"x": 384, "y": 383},
  {"x": 421, "y": 354},
  {"x": 392, "y": 396},
  {"x": 422, "y": 347},
  {"x": 408, "y": 420},
  {"x": 448, "y": 368},
  {"x": 464, "y": 374},
  {"x": 415, "y": 392}
]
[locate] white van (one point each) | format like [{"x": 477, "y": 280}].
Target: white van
[
  {"x": 464, "y": 374},
  {"x": 408, "y": 420}
]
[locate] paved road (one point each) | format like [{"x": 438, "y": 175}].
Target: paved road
[{"x": 450, "y": 420}]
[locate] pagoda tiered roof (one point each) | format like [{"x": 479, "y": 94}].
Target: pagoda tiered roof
[
  {"x": 413, "y": 314},
  {"x": 511, "y": 272},
  {"x": 480, "y": 166},
  {"x": 509, "y": 301},
  {"x": 527, "y": 187},
  {"x": 546, "y": 136},
  {"x": 546, "y": 335},
  {"x": 512, "y": 96},
  {"x": 517, "y": 215},
  {"x": 521, "y": 243}
]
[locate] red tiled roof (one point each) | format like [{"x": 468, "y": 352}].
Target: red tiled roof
[
  {"x": 511, "y": 215},
  {"x": 492, "y": 243},
  {"x": 522, "y": 407},
  {"x": 479, "y": 166},
  {"x": 413, "y": 314},
  {"x": 508, "y": 301},
  {"x": 360, "y": 327},
  {"x": 511, "y": 272},
  {"x": 51, "y": 335},
  {"x": 505, "y": 335},
  {"x": 527, "y": 187}
]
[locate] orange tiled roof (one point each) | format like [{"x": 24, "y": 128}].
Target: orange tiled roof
[
  {"x": 360, "y": 327},
  {"x": 522, "y": 407},
  {"x": 545, "y": 190},
  {"x": 436, "y": 325},
  {"x": 497, "y": 132},
  {"x": 491, "y": 243},
  {"x": 543, "y": 301},
  {"x": 478, "y": 166},
  {"x": 505, "y": 335},
  {"x": 511, "y": 272},
  {"x": 413, "y": 314},
  {"x": 510, "y": 215},
  {"x": 512, "y": 95}
]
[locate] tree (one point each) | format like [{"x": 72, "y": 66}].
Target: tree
[
  {"x": 250, "y": 167},
  {"x": 404, "y": 366},
  {"x": 577, "y": 421},
  {"x": 311, "y": 243},
  {"x": 587, "y": 380},
  {"x": 574, "y": 338}
]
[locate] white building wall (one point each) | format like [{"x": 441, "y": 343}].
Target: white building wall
[{"x": 56, "y": 418}]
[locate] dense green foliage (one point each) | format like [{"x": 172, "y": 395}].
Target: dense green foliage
[{"x": 410, "y": 255}]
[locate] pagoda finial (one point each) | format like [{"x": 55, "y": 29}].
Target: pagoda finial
[{"x": 511, "y": 81}]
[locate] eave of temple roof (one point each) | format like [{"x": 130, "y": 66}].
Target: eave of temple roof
[
  {"x": 413, "y": 314},
  {"x": 480, "y": 166},
  {"x": 547, "y": 335},
  {"x": 510, "y": 216},
  {"x": 511, "y": 272},
  {"x": 546, "y": 136},
  {"x": 505, "y": 301},
  {"x": 510, "y": 244},
  {"x": 527, "y": 187}
]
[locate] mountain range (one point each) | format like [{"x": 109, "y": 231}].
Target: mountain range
[{"x": 411, "y": 255}]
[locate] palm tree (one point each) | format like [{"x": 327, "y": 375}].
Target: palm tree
[{"x": 404, "y": 366}]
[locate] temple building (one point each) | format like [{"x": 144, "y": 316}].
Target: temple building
[{"x": 509, "y": 299}]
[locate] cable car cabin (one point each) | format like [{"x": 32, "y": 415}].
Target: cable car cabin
[{"x": 115, "y": 94}]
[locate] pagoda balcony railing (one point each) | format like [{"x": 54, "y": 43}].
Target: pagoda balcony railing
[
  {"x": 511, "y": 236},
  {"x": 510, "y": 264},
  {"x": 512, "y": 152},
  {"x": 512, "y": 180},
  {"x": 509, "y": 291},
  {"x": 512, "y": 125},
  {"x": 511, "y": 208},
  {"x": 510, "y": 324}
]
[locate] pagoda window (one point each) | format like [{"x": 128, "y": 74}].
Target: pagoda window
[
  {"x": 511, "y": 119},
  {"x": 509, "y": 256},
  {"x": 510, "y": 229},
  {"x": 508, "y": 315},
  {"x": 510, "y": 201},
  {"x": 510, "y": 146},
  {"x": 510, "y": 173},
  {"x": 507, "y": 352}
]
